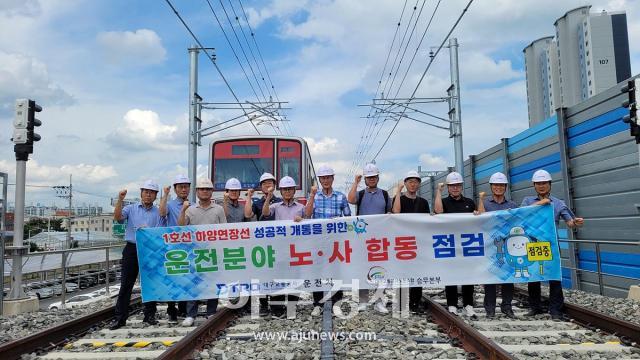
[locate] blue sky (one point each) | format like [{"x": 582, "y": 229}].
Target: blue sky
[{"x": 113, "y": 79}]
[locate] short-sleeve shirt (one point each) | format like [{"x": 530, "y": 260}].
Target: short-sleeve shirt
[
  {"x": 373, "y": 202},
  {"x": 492, "y": 205},
  {"x": 560, "y": 209},
  {"x": 282, "y": 211},
  {"x": 462, "y": 205},
  {"x": 328, "y": 207},
  {"x": 138, "y": 216},
  {"x": 235, "y": 212},
  {"x": 409, "y": 205},
  {"x": 257, "y": 205},
  {"x": 198, "y": 215},
  {"x": 174, "y": 207}
]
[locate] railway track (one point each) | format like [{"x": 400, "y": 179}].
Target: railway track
[{"x": 234, "y": 334}]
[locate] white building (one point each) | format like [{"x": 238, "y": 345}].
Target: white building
[
  {"x": 589, "y": 54},
  {"x": 99, "y": 224}
]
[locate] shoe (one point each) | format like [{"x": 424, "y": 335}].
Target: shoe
[
  {"x": 534, "y": 312},
  {"x": 363, "y": 306},
  {"x": 173, "y": 319},
  {"x": 188, "y": 321},
  {"x": 508, "y": 313},
  {"x": 117, "y": 325},
  {"x": 317, "y": 310},
  {"x": 490, "y": 314},
  {"x": 380, "y": 307},
  {"x": 468, "y": 311},
  {"x": 453, "y": 310},
  {"x": 150, "y": 320},
  {"x": 557, "y": 317}
]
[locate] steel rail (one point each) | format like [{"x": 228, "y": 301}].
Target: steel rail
[
  {"x": 470, "y": 338},
  {"x": 201, "y": 336},
  {"x": 591, "y": 318},
  {"x": 59, "y": 334}
]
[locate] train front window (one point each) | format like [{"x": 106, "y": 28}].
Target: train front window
[
  {"x": 245, "y": 160},
  {"x": 289, "y": 157},
  {"x": 248, "y": 171}
]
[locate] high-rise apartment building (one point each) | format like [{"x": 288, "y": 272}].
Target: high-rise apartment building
[{"x": 589, "y": 54}]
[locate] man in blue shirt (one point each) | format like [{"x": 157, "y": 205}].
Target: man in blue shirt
[
  {"x": 139, "y": 215},
  {"x": 171, "y": 209},
  {"x": 327, "y": 204},
  {"x": 542, "y": 184},
  {"x": 498, "y": 183},
  {"x": 369, "y": 201}
]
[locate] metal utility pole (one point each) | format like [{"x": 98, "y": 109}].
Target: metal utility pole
[
  {"x": 66, "y": 192},
  {"x": 193, "y": 111},
  {"x": 3, "y": 228},
  {"x": 18, "y": 232},
  {"x": 455, "y": 131}
]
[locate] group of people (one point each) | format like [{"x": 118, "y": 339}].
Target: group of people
[{"x": 324, "y": 204}]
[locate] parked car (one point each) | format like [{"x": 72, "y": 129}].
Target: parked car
[
  {"x": 83, "y": 282},
  {"x": 40, "y": 292},
  {"x": 113, "y": 291},
  {"x": 78, "y": 300},
  {"x": 70, "y": 287}
]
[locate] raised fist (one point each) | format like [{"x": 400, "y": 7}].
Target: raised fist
[
  {"x": 482, "y": 194},
  {"x": 358, "y": 178},
  {"x": 122, "y": 194},
  {"x": 314, "y": 189},
  {"x": 440, "y": 186},
  {"x": 250, "y": 192},
  {"x": 185, "y": 205},
  {"x": 226, "y": 197},
  {"x": 270, "y": 190},
  {"x": 167, "y": 189},
  {"x": 400, "y": 186}
]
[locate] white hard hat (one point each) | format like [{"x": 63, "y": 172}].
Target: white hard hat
[
  {"x": 287, "y": 182},
  {"x": 325, "y": 170},
  {"x": 412, "y": 175},
  {"x": 181, "y": 179},
  {"x": 150, "y": 185},
  {"x": 541, "y": 175},
  {"x": 516, "y": 231},
  {"x": 498, "y": 178},
  {"x": 370, "y": 170},
  {"x": 204, "y": 183},
  {"x": 267, "y": 176},
  {"x": 454, "y": 178},
  {"x": 233, "y": 184}
]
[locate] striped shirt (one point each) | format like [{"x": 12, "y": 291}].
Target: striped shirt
[{"x": 332, "y": 206}]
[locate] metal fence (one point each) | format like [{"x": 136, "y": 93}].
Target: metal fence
[{"x": 595, "y": 166}]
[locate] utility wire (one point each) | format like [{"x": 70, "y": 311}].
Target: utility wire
[
  {"x": 464, "y": 11},
  {"x": 195, "y": 38}
]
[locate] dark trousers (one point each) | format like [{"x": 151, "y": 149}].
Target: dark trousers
[
  {"x": 128, "y": 279},
  {"x": 277, "y": 302},
  {"x": 192, "y": 307},
  {"x": 171, "y": 308},
  {"x": 490, "y": 297},
  {"x": 556, "y": 298},
  {"x": 319, "y": 295},
  {"x": 452, "y": 295}
]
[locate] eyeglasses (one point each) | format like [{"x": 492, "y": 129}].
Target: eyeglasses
[
  {"x": 455, "y": 185},
  {"x": 288, "y": 189}
]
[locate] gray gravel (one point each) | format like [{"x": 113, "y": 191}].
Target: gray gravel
[{"x": 21, "y": 325}]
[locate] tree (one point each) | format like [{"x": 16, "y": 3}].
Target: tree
[{"x": 36, "y": 225}]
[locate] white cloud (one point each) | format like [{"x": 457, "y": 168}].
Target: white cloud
[
  {"x": 140, "y": 47},
  {"x": 431, "y": 162},
  {"x": 20, "y": 7},
  {"x": 143, "y": 130},
  {"x": 23, "y": 76},
  {"x": 477, "y": 68},
  {"x": 323, "y": 147},
  {"x": 38, "y": 174}
]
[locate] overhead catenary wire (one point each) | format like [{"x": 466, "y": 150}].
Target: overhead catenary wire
[
  {"x": 195, "y": 38},
  {"x": 424, "y": 73},
  {"x": 264, "y": 65},
  {"x": 369, "y": 121}
]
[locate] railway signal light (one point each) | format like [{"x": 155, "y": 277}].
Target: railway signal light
[
  {"x": 632, "y": 88},
  {"x": 24, "y": 124}
]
